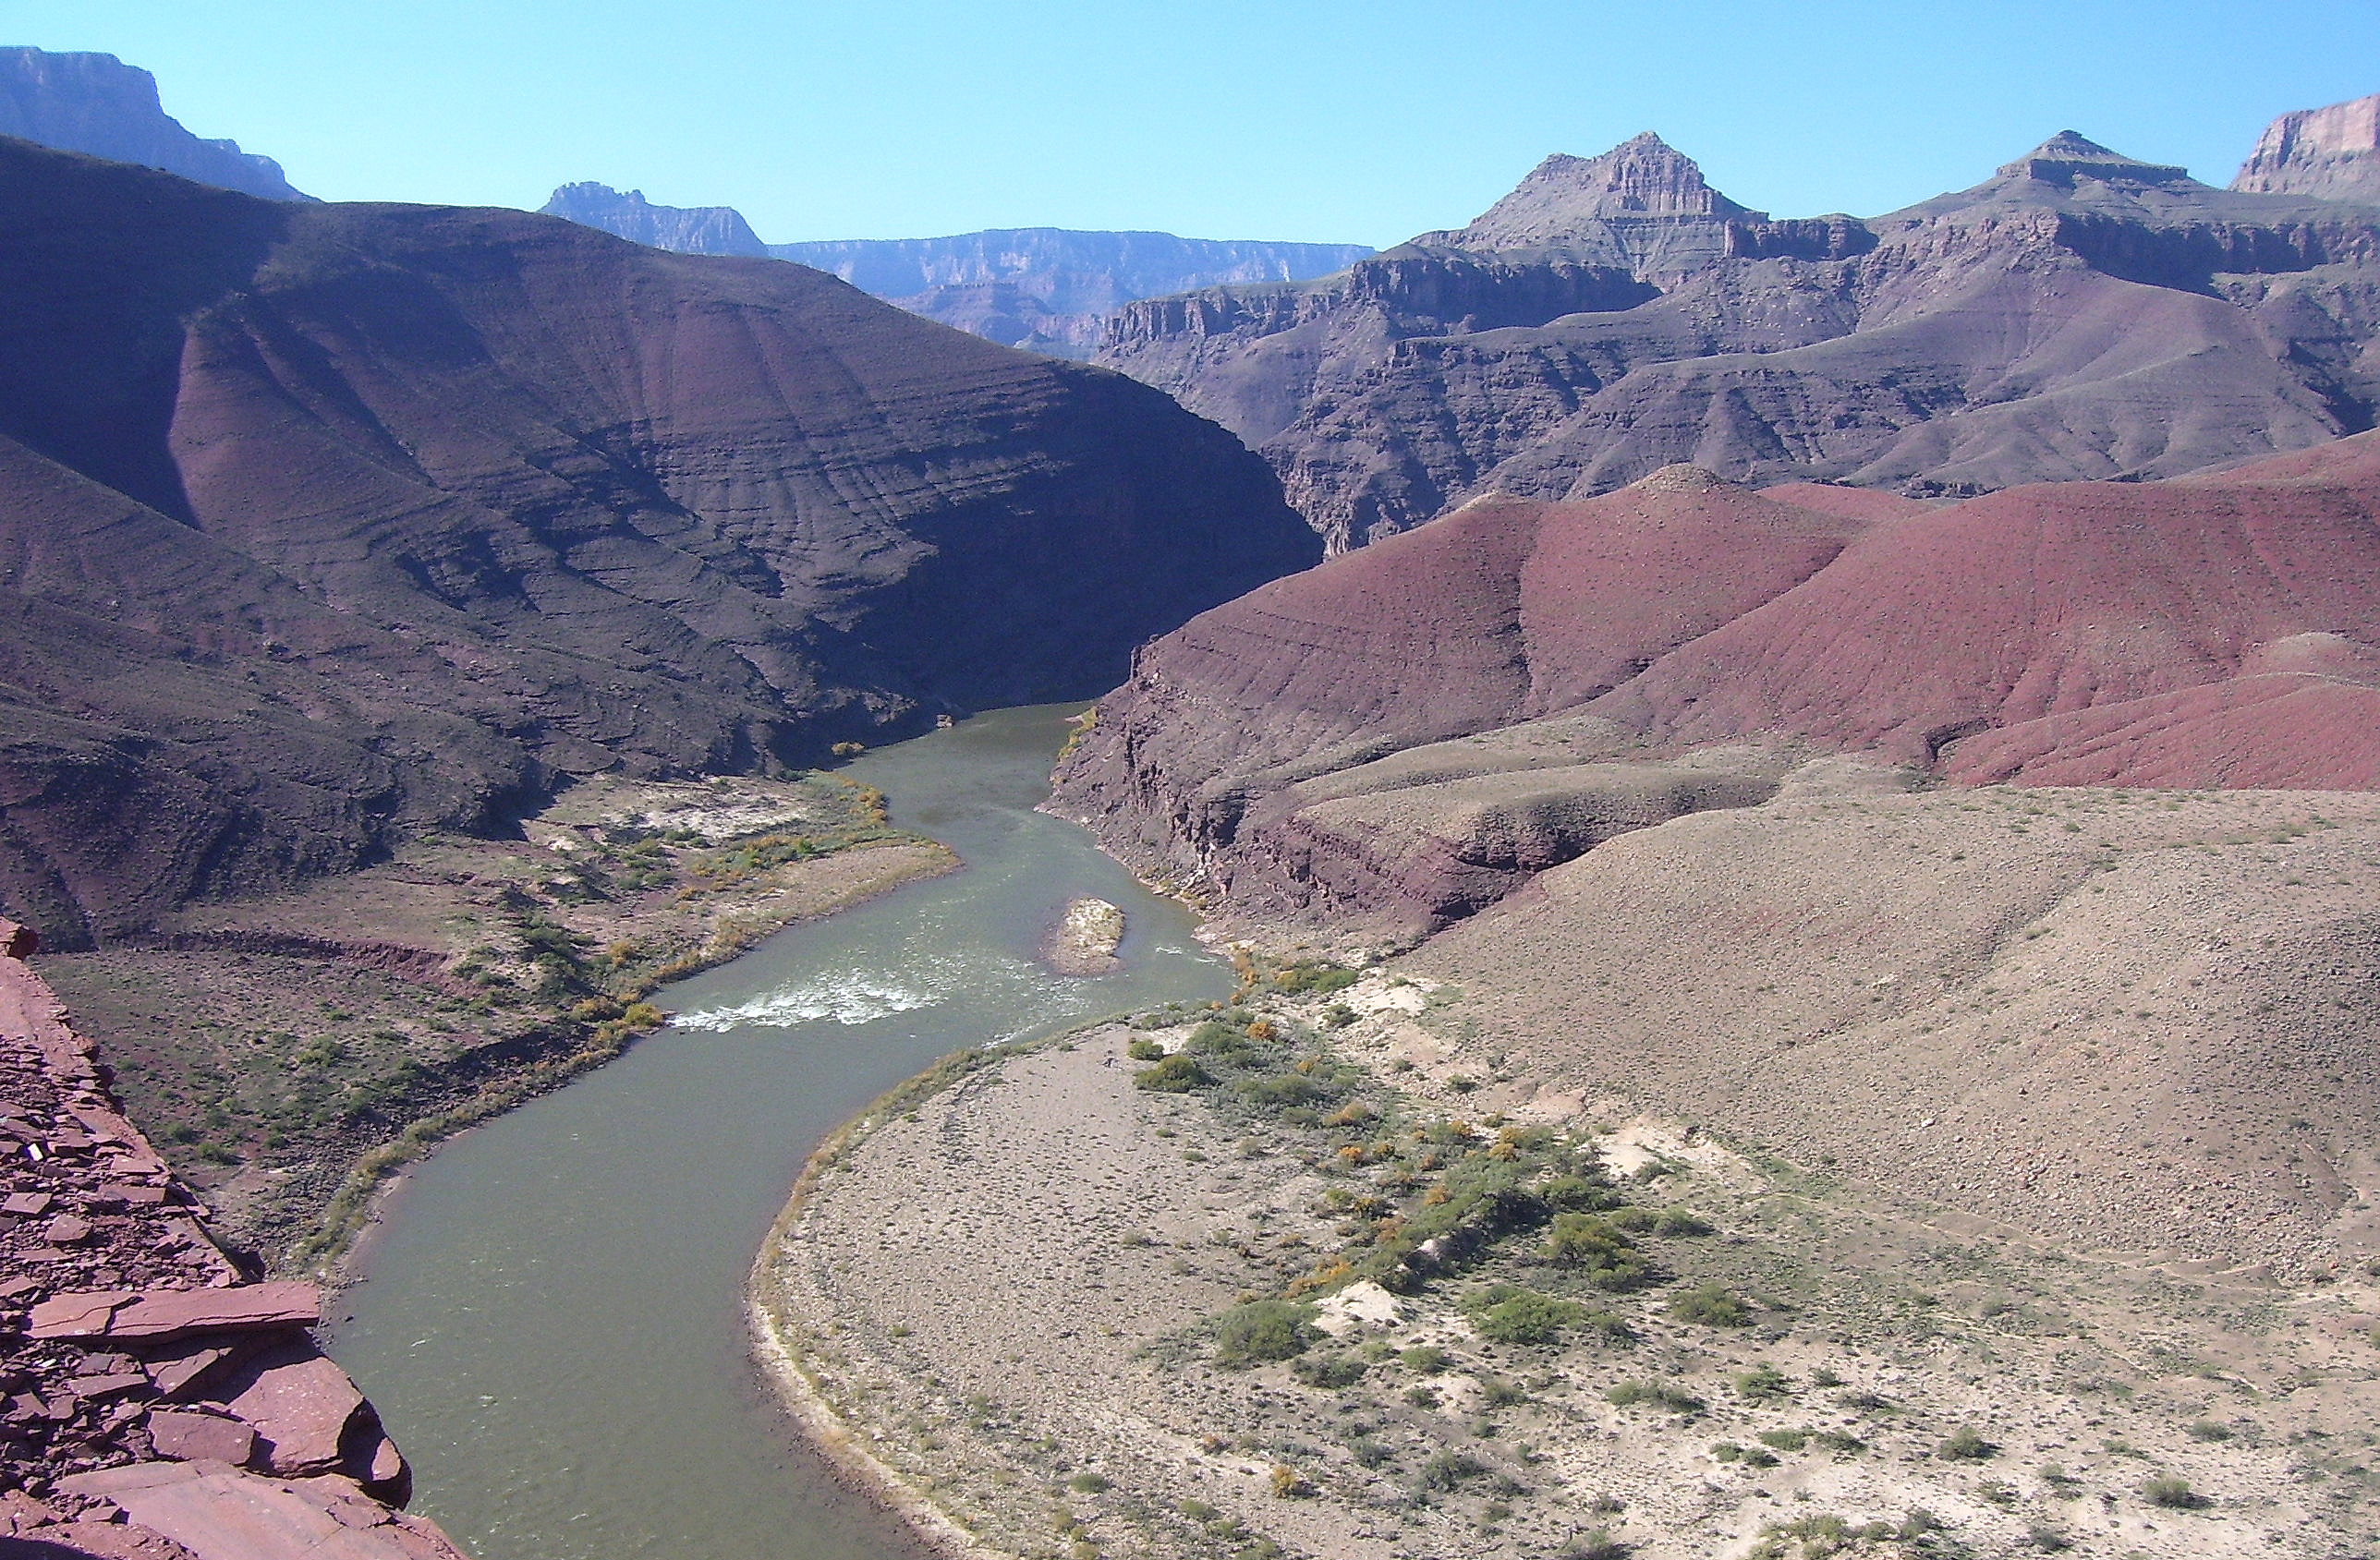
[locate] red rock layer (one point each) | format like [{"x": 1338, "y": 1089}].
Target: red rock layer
[
  {"x": 139, "y": 1378},
  {"x": 2220, "y": 630}
]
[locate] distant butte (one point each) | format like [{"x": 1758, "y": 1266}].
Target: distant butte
[{"x": 2330, "y": 152}]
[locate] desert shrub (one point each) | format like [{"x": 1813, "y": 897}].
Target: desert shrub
[
  {"x": 1580, "y": 1194},
  {"x": 1087, "y": 1482},
  {"x": 1450, "y": 1470},
  {"x": 1596, "y": 1249},
  {"x": 2173, "y": 1494},
  {"x": 1498, "y": 1393},
  {"x": 1596, "y": 1544},
  {"x": 1328, "y": 1370},
  {"x": 1426, "y": 1358},
  {"x": 1785, "y": 1440},
  {"x": 2210, "y": 1430},
  {"x": 1966, "y": 1444},
  {"x": 1507, "y": 1314},
  {"x": 1174, "y": 1075},
  {"x": 1711, "y": 1305},
  {"x": 1279, "y": 1091},
  {"x": 1680, "y": 1221},
  {"x": 1338, "y": 1015},
  {"x": 1143, "y": 1048},
  {"x": 1764, "y": 1384},
  {"x": 1290, "y": 1484},
  {"x": 1320, "y": 978},
  {"x": 1629, "y": 1393},
  {"x": 1264, "y": 1329},
  {"x": 1368, "y": 1453},
  {"x": 1225, "y": 1042},
  {"x": 1755, "y": 1457}
]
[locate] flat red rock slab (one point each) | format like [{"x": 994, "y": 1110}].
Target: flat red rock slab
[
  {"x": 160, "y": 1313},
  {"x": 300, "y": 1411},
  {"x": 217, "y": 1512},
  {"x": 191, "y": 1438}
]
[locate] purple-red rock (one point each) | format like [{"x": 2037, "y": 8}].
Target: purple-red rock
[
  {"x": 164, "y": 1314},
  {"x": 187, "y": 1437},
  {"x": 301, "y": 1411}
]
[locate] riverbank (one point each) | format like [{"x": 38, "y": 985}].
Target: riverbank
[
  {"x": 291, "y": 1054},
  {"x": 1052, "y": 1313}
]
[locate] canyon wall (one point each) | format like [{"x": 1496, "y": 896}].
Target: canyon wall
[{"x": 328, "y": 523}]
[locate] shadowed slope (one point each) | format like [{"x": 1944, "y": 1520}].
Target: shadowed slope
[{"x": 454, "y": 503}]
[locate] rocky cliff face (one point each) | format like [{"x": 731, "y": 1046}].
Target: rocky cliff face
[
  {"x": 1415, "y": 729},
  {"x": 98, "y": 104},
  {"x": 2331, "y": 152},
  {"x": 324, "y": 523},
  {"x": 685, "y": 230},
  {"x": 159, "y": 1405},
  {"x": 1046, "y": 289},
  {"x": 2079, "y": 315}
]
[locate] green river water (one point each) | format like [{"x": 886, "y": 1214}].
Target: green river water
[{"x": 551, "y": 1321}]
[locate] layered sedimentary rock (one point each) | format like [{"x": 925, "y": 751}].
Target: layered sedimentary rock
[
  {"x": 1415, "y": 729},
  {"x": 157, "y": 1405},
  {"x": 324, "y": 523},
  {"x": 1047, "y": 289},
  {"x": 2332, "y": 152},
  {"x": 685, "y": 230},
  {"x": 2081, "y": 315},
  {"x": 98, "y": 104}
]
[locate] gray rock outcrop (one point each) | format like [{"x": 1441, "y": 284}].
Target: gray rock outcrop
[
  {"x": 685, "y": 230},
  {"x": 2330, "y": 152},
  {"x": 98, "y": 104}
]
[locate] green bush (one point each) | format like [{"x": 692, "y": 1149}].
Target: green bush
[
  {"x": 2173, "y": 1494},
  {"x": 1628, "y": 1394},
  {"x": 1328, "y": 1370},
  {"x": 1515, "y": 1315},
  {"x": 1448, "y": 1471},
  {"x": 1966, "y": 1444},
  {"x": 1143, "y": 1048},
  {"x": 1174, "y": 1075},
  {"x": 1764, "y": 1384},
  {"x": 1279, "y": 1091},
  {"x": 1426, "y": 1358},
  {"x": 1711, "y": 1305},
  {"x": 1264, "y": 1329},
  {"x": 1595, "y": 1246},
  {"x": 1584, "y": 1194},
  {"x": 1320, "y": 978}
]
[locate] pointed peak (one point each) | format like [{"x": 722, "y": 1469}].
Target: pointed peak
[
  {"x": 2069, "y": 155},
  {"x": 1567, "y": 199}
]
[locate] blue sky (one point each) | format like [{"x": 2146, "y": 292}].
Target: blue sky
[{"x": 1315, "y": 119}]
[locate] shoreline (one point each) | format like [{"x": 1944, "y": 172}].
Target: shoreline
[
  {"x": 886, "y": 1303},
  {"x": 347, "y": 1263},
  {"x": 813, "y": 1417}
]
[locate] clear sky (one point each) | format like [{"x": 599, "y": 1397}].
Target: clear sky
[{"x": 1359, "y": 121}]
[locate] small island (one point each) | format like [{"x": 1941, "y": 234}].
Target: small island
[{"x": 1085, "y": 940}]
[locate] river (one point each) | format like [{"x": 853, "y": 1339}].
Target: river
[{"x": 552, "y": 1320}]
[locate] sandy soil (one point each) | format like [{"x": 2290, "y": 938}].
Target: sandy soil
[{"x": 2032, "y": 1115}]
